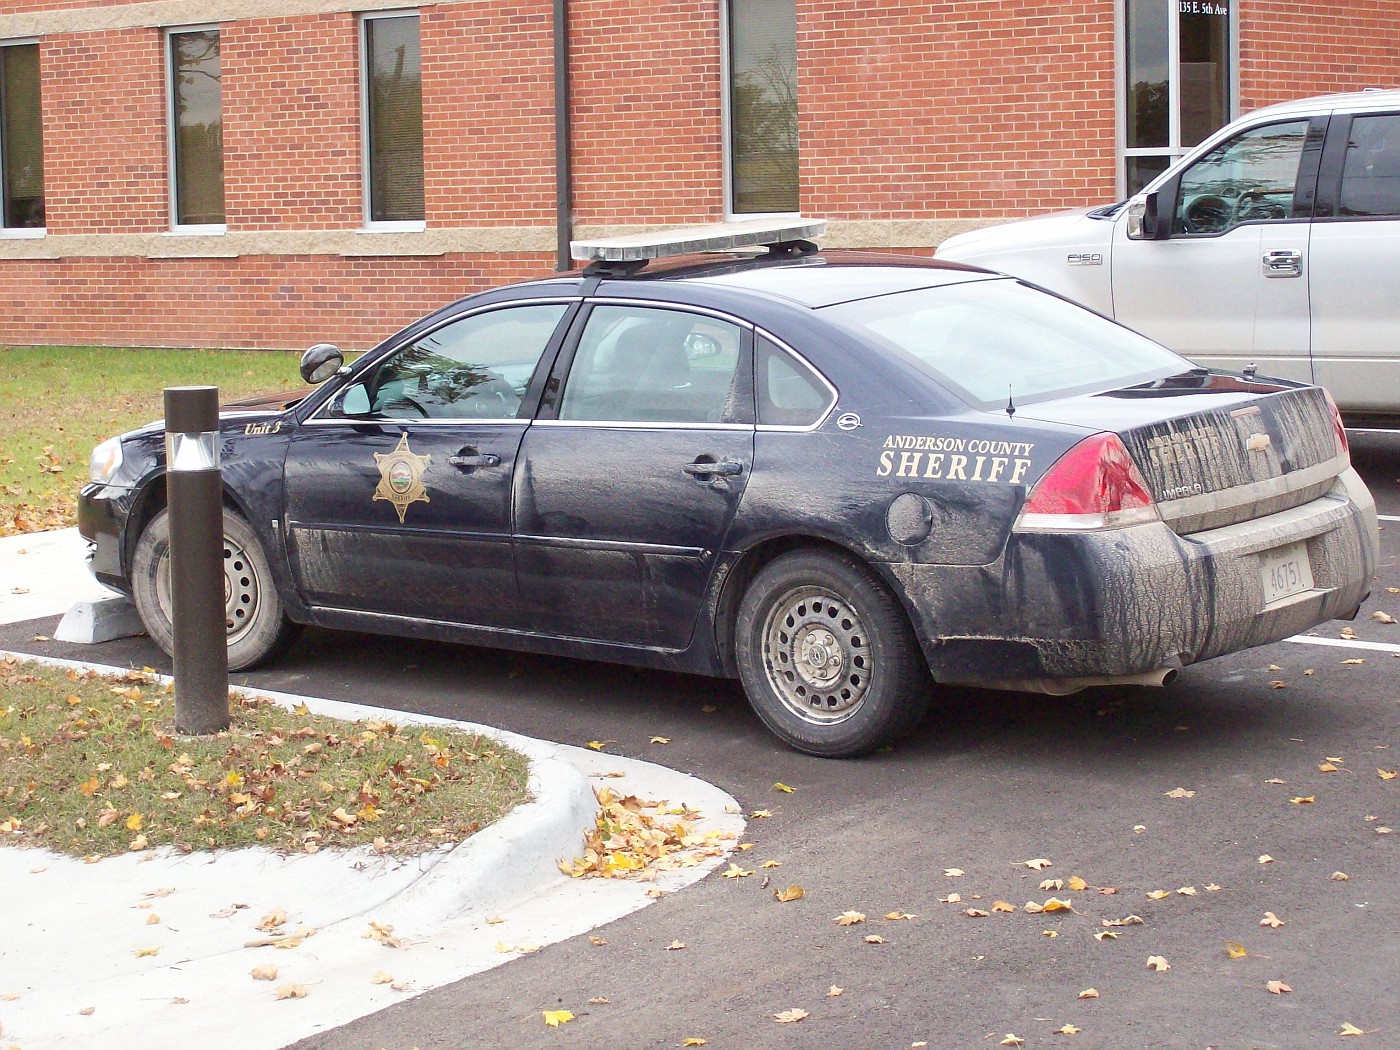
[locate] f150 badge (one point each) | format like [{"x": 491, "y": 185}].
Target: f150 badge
[{"x": 1085, "y": 258}]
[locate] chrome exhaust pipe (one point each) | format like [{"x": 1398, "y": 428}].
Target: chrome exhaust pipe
[{"x": 1162, "y": 676}]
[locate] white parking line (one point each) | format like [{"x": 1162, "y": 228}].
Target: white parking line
[
  {"x": 1342, "y": 643},
  {"x": 1388, "y": 517}
]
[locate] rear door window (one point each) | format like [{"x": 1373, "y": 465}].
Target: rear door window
[{"x": 1371, "y": 170}]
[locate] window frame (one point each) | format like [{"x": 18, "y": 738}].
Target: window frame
[
  {"x": 370, "y": 224},
  {"x": 21, "y": 232},
  {"x": 1174, "y": 150},
  {"x": 726, "y": 74},
  {"x": 172, "y": 177}
]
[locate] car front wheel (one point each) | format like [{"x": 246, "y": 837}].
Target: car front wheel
[
  {"x": 253, "y": 612},
  {"x": 826, "y": 656}
]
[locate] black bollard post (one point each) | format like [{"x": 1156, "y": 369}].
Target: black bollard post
[{"x": 195, "y": 492}]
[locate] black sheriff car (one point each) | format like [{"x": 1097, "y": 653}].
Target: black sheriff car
[{"x": 844, "y": 479}]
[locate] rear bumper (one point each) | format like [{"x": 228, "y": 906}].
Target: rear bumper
[{"x": 1143, "y": 598}]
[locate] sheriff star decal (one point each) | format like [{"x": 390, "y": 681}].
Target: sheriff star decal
[{"x": 401, "y": 477}]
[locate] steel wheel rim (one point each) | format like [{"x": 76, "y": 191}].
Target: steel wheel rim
[
  {"x": 816, "y": 653},
  {"x": 242, "y": 590}
]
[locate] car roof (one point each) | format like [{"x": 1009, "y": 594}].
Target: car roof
[{"x": 1350, "y": 101}]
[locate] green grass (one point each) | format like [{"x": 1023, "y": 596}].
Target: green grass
[
  {"x": 91, "y": 766},
  {"x": 57, "y": 402}
]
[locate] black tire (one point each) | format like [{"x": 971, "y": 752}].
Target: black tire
[
  {"x": 826, "y": 656},
  {"x": 258, "y": 627}
]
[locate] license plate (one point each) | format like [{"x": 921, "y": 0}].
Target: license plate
[{"x": 1286, "y": 572}]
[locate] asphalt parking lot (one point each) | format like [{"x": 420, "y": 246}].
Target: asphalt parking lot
[{"x": 1241, "y": 791}]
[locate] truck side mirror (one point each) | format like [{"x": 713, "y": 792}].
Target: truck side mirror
[{"x": 1143, "y": 224}]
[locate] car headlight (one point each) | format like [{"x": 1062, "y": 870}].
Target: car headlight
[{"x": 105, "y": 460}]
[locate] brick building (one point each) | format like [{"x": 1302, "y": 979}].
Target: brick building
[{"x": 270, "y": 173}]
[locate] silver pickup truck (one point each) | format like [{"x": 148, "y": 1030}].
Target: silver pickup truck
[{"x": 1275, "y": 243}]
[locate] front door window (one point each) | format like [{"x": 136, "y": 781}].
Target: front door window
[{"x": 1251, "y": 178}]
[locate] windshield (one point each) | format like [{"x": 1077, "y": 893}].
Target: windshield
[{"x": 994, "y": 339}]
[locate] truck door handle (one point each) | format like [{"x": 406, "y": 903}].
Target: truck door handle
[
  {"x": 1283, "y": 262},
  {"x": 707, "y": 471},
  {"x": 469, "y": 458}
]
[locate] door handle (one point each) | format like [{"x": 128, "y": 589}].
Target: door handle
[
  {"x": 707, "y": 471},
  {"x": 1283, "y": 262},
  {"x": 470, "y": 458}
]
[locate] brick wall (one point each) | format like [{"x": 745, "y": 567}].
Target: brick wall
[
  {"x": 104, "y": 132},
  {"x": 291, "y": 102},
  {"x": 266, "y": 302},
  {"x": 1291, "y": 50},
  {"x": 954, "y": 109}
]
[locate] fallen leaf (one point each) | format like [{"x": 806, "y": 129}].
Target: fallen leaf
[
  {"x": 1383, "y": 831},
  {"x": 693, "y": 1041},
  {"x": 1049, "y": 933},
  {"x": 736, "y": 872},
  {"x": 1303, "y": 800},
  {"x": 780, "y": 786},
  {"x": 850, "y": 918},
  {"x": 1271, "y": 920},
  {"x": 661, "y": 740},
  {"x": 153, "y": 919},
  {"x": 1387, "y": 774},
  {"x": 874, "y": 938},
  {"x": 1003, "y": 906},
  {"x": 594, "y": 939},
  {"x": 1354, "y": 661},
  {"x": 1055, "y": 904},
  {"x": 1077, "y": 884},
  {"x": 1157, "y": 963},
  {"x": 1275, "y": 780},
  {"x": 1277, "y": 987},
  {"x": 952, "y": 898},
  {"x": 792, "y": 893},
  {"x": 142, "y": 953},
  {"x": 87, "y": 1011},
  {"x": 599, "y": 1000},
  {"x": 1326, "y": 767},
  {"x": 1105, "y": 934},
  {"x": 1179, "y": 793},
  {"x": 290, "y": 991},
  {"x": 1278, "y": 684},
  {"x": 1382, "y": 617},
  {"x": 1350, "y": 1029},
  {"x": 1037, "y": 864},
  {"x": 675, "y": 946},
  {"x": 976, "y": 913},
  {"x": 1012, "y": 1039},
  {"x": 760, "y": 814},
  {"x": 554, "y": 1018},
  {"x": 1127, "y": 920},
  {"x": 834, "y": 990},
  {"x": 953, "y": 873},
  {"x": 1053, "y": 884},
  {"x": 1339, "y": 876},
  {"x": 1264, "y": 858},
  {"x": 790, "y": 1016},
  {"x": 380, "y": 977},
  {"x": 1235, "y": 950},
  {"x": 1068, "y": 1029},
  {"x": 264, "y": 972},
  {"x": 596, "y": 745},
  {"x": 1212, "y": 888},
  {"x": 771, "y": 864},
  {"x": 1089, "y": 993},
  {"x": 895, "y": 916},
  {"x": 1187, "y": 891}
]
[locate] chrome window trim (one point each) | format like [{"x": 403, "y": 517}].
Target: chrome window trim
[
  {"x": 366, "y": 362},
  {"x": 663, "y": 304},
  {"x": 629, "y": 424},
  {"x": 414, "y": 421},
  {"x": 835, "y": 395}
]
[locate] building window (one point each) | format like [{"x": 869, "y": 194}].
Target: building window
[
  {"x": 21, "y": 139},
  {"x": 762, "y": 106},
  {"x": 393, "y": 131},
  {"x": 1177, "y": 84},
  {"x": 196, "y": 128}
]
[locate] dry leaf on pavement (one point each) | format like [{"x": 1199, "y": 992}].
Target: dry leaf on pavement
[
  {"x": 850, "y": 918},
  {"x": 1277, "y": 987},
  {"x": 1157, "y": 963},
  {"x": 554, "y": 1018},
  {"x": 1179, "y": 793},
  {"x": 1271, "y": 920},
  {"x": 790, "y": 1016},
  {"x": 290, "y": 991},
  {"x": 1089, "y": 993},
  {"x": 792, "y": 893}
]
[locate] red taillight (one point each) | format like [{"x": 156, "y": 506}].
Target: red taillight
[
  {"x": 1343, "y": 446},
  {"x": 1095, "y": 485}
]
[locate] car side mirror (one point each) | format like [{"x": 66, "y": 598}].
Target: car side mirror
[
  {"x": 321, "y": 362},
  {"x": 355, "y": 401},
  {"x": 1143, "y": 220}
]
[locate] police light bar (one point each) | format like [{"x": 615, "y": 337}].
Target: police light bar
[{"x": 716, "y": 237}]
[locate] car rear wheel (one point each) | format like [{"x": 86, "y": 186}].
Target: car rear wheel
[
  {"x": 827, "y": 657},
  {"x": 254, "y": 614}
]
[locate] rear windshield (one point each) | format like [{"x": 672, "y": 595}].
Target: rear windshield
[{"x": 994, "y": 339}]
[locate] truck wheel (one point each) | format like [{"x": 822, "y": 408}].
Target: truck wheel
[
  {"x": 258, "y": 627},
  {"x": 826, "y": 656}
]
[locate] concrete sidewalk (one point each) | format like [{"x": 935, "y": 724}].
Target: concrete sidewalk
[{"x": 152, "y": 949}]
